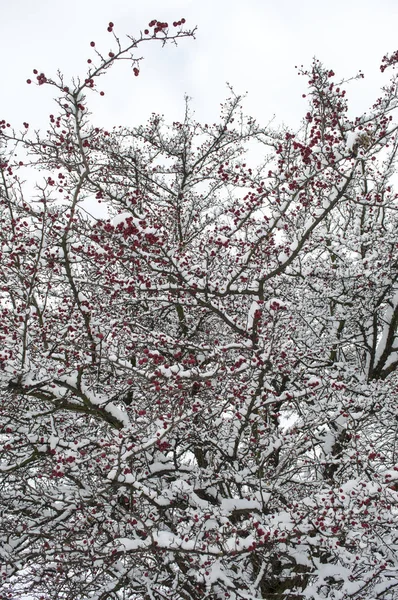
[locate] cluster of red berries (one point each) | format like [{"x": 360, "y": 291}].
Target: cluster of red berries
[
  {"x": 110, "y": 26},
  {"x": 160, "y": 26},
  {"x": 388, "y": 61},
  {"x": 55, "y": 120},
  {"x": 41, "y": 78}
]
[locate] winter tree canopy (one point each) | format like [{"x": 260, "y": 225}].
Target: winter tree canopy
[{"x": 199, "y": 389}]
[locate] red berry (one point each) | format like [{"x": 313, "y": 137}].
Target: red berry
[
  {"x": 89, "y": 60},
  {"x": 111, "y": 24},
  {"x": 146, "y": 31},
  {"x": 92, "y": 44},
  {"x": 102, "y": 93},
  {"x": 35, "y": 71},
  {"x": 183, "y": 21},
  {"x": 111, "y": 54},
  {"x": 28, "y": 81}
]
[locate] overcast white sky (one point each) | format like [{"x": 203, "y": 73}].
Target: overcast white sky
[{"x": 253, "y": 44}]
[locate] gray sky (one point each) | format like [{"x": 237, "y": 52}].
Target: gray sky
[{"x": 252, "y": 44}]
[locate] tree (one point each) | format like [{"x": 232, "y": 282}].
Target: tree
[{"x": 199, "y": 391}]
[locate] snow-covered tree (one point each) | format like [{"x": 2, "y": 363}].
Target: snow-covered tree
[{"x": 199, "y": 390}]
